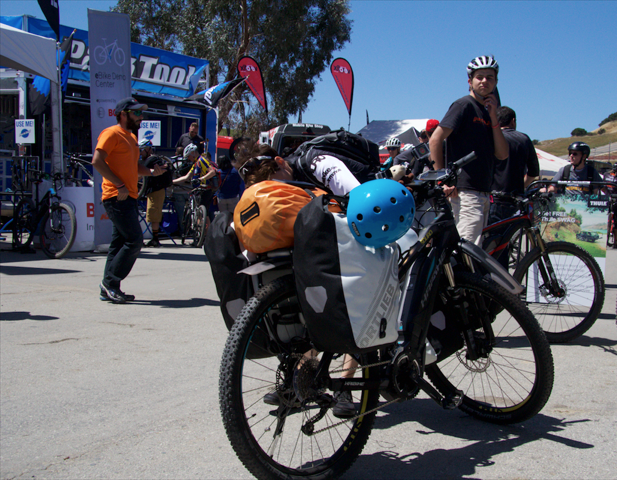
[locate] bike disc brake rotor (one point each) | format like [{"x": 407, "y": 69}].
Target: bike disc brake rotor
[
  {"x": 477, "y": 366},
  {"x": 546, "y": 292}
]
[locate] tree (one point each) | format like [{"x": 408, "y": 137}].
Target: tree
[
  {"x": 610, "y": 118},
  {"x": 579, "y": 132},
  {"x": 292, "y": 40}
]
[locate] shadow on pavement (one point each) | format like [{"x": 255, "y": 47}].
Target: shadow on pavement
[
  {"x": 15, "y": 270},
  {"x": 394, "y": 462},
  {"x": 15, "y": 316},
  {"x": 178, "y": 303}
]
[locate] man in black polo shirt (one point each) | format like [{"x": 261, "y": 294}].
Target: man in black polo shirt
[
  {"x": 471, "y": 125},
  {"x": 518, "y": 171}
]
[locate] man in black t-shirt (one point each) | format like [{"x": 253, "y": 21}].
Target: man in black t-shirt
[
  {"x": 191, "y": 137},
  {"x": 471, "y": 125},
  {"x": 518, "y": 171}
]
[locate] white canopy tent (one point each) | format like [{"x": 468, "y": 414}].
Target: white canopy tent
[
  {"x": 28, "y": 52},
  {"x": 549, "y": 164}
]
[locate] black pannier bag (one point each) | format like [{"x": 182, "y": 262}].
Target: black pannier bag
[
  {"x": 361, "y": 156},
  {"x": 349, "y": 294},
  {"x": 226, "y": 260}
]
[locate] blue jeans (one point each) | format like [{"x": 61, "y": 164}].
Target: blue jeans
[{"x": 126, "y": 240}]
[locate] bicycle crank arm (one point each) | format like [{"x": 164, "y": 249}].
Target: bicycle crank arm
[{"x": 449, "y": 402}]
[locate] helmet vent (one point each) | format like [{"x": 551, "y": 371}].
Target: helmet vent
[
  {"x": 368, "y": 235},
  {"x": 401, "y": 218},
  {"x": 385, "y": 227},
  {"x": 377, "y": 209},
  {"x": 393, "y": 200},
  {"x": 359, "y": 217}
]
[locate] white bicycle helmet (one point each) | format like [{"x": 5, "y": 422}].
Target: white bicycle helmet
[
  {"x": 483, "y": 61},
  {"x": 190, "y": 148},
  {"x": 393, "y": 142},
  {"x": 144, "y": 143}
]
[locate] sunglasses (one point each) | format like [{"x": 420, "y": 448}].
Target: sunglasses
[
  {"x": 137, "y": 113},
  {"x": 391, "y": 149},
  {"x": 251, "y": 165}
]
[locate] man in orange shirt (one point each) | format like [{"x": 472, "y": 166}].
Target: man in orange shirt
[{"x": 116, "y": 159}]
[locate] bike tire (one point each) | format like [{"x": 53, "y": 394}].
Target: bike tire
[
  {"x": 513, "y": 382},
  {"x": 252, "y": 362},
  {"x": 563, "y": 319},
  {"x": 200, "y": 226},
  {"x": 59, "y": 230},
  {"x": 187, "y": 217},
  {"x": 23, "y": 223}
]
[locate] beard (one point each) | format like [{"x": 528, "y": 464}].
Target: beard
[{"x": 132, "y": 125}]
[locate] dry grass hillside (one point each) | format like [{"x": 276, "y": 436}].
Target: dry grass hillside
[{"x": 559, "y": 146}]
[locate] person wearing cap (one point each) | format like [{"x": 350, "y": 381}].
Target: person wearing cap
[
  {"x": 471, "y": 125},
  {"x": 116, "y": 158},
  {"x": 431, "y": 125},
  {"x": 156, "y": 198},
  {"x": 578, "y": 170}
]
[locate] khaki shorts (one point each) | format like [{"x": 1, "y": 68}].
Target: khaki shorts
[{"x": 154, "y": 212}]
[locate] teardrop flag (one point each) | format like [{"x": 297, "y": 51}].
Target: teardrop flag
[
  {"x": 343, "y": 76},
  {"x": 249, "y": 69}
]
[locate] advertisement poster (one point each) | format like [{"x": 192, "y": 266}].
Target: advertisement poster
[
  {"x": 24, "y": 131},
  {"x": 150, "y": 130},
  {"x": 110, "y": 74}
]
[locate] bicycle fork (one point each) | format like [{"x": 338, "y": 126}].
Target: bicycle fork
[{"x": 544, "y": 264}]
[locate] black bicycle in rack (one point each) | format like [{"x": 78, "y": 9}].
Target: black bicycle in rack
[
  {"x": 52, "y": 220},
  {"x": 564, "y": 285}
]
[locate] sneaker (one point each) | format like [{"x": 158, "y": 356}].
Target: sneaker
[
  {"x": 272, "y": 398},
  {"x": 344, "y": 407},
  {"x": 114, "y": 295},
  {"x": 154, "y": 243}
]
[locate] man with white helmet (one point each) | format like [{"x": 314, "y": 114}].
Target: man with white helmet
[
  {"x": 471, "y": 125},
  {"x": 393, "y": 145}
]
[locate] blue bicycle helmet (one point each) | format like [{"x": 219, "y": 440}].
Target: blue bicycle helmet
[{"x": 380, "y": 212}]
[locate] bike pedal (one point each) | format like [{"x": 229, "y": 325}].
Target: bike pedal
[{"x": 452, "y": 402}]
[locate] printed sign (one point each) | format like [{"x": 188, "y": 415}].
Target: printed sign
[
  {"x": 150, "y": 130},
  {"x": 24, "y": 131}
]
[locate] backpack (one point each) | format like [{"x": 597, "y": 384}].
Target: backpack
[
  {"x": 360, "y": 155},
  {"x": 566, "y": 175}
]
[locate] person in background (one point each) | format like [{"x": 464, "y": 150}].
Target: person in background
[
  {"x": 471, "y": 125},
  {"x": 191, "y": 137},
  {"x": 516, "y": 173},
  {"x": 577, "y": 171},
  {"x": 154, "y": 209},
  {"x": 231, "y": 188},
  {"x": 393, "y": 145},
  {"x": 116, "y": 158}
]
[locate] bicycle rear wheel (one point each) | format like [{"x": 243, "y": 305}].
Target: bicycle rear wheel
[
  {"x": 59, "y": 230},
  {"x": 23, "y": 219},
  {"x": 200, "y": 226},
  {"x": 563, "y": 316},
  {"x": 512, "y": 380},
  {"x": 262, "y": 355}
]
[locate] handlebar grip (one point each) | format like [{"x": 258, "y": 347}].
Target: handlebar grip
[{"x": 461, "y": 162}]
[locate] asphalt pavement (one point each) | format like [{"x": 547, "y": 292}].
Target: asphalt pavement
[{"x": 92, "y": 390}]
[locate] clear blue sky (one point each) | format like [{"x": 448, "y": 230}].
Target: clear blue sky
[{"x": 558, "y": 60}]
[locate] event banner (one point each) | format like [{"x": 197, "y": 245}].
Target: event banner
[
  {"x": 248, "y": 68},
  {"x": 150, "y": 130},
  {"x": 111, "y": 81},
  {"x": 580, "y": 219},
  {"x": 343, "y": 76},
  {"x": 152, "y": 70}
]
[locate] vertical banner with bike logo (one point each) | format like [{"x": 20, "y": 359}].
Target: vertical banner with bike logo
[
  {"x": 110, "y": 81},
  {"x": 248, "y": 68}
]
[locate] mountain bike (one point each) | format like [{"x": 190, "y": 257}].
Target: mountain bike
[
  {"x": 195, "y": 218},
  {"x": 53, "y": 220},
  {"x": 77, "y": 173},
  {"x": 495, "y": 367},
  {"x": 564, "y": 285}
]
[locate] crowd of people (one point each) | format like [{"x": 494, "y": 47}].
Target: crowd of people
[{"x": 506, "y": 161}]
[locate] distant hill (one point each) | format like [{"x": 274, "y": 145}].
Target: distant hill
[{"x": 558, "y": 146}]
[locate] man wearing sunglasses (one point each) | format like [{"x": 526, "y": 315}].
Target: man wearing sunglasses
[{"x": 116, "y": 158}]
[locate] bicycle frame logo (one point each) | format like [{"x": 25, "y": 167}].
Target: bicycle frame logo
[{"x": 104, "y": 54}]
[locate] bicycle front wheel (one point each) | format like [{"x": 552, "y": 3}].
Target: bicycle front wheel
[
  {"x": 263, "y": 358},
  {"x": 568, "y": 313},
  {"x": 23, "y": 219},
  {"x": 59, "y": 230},
  {"x": 512, "y": 380}
]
